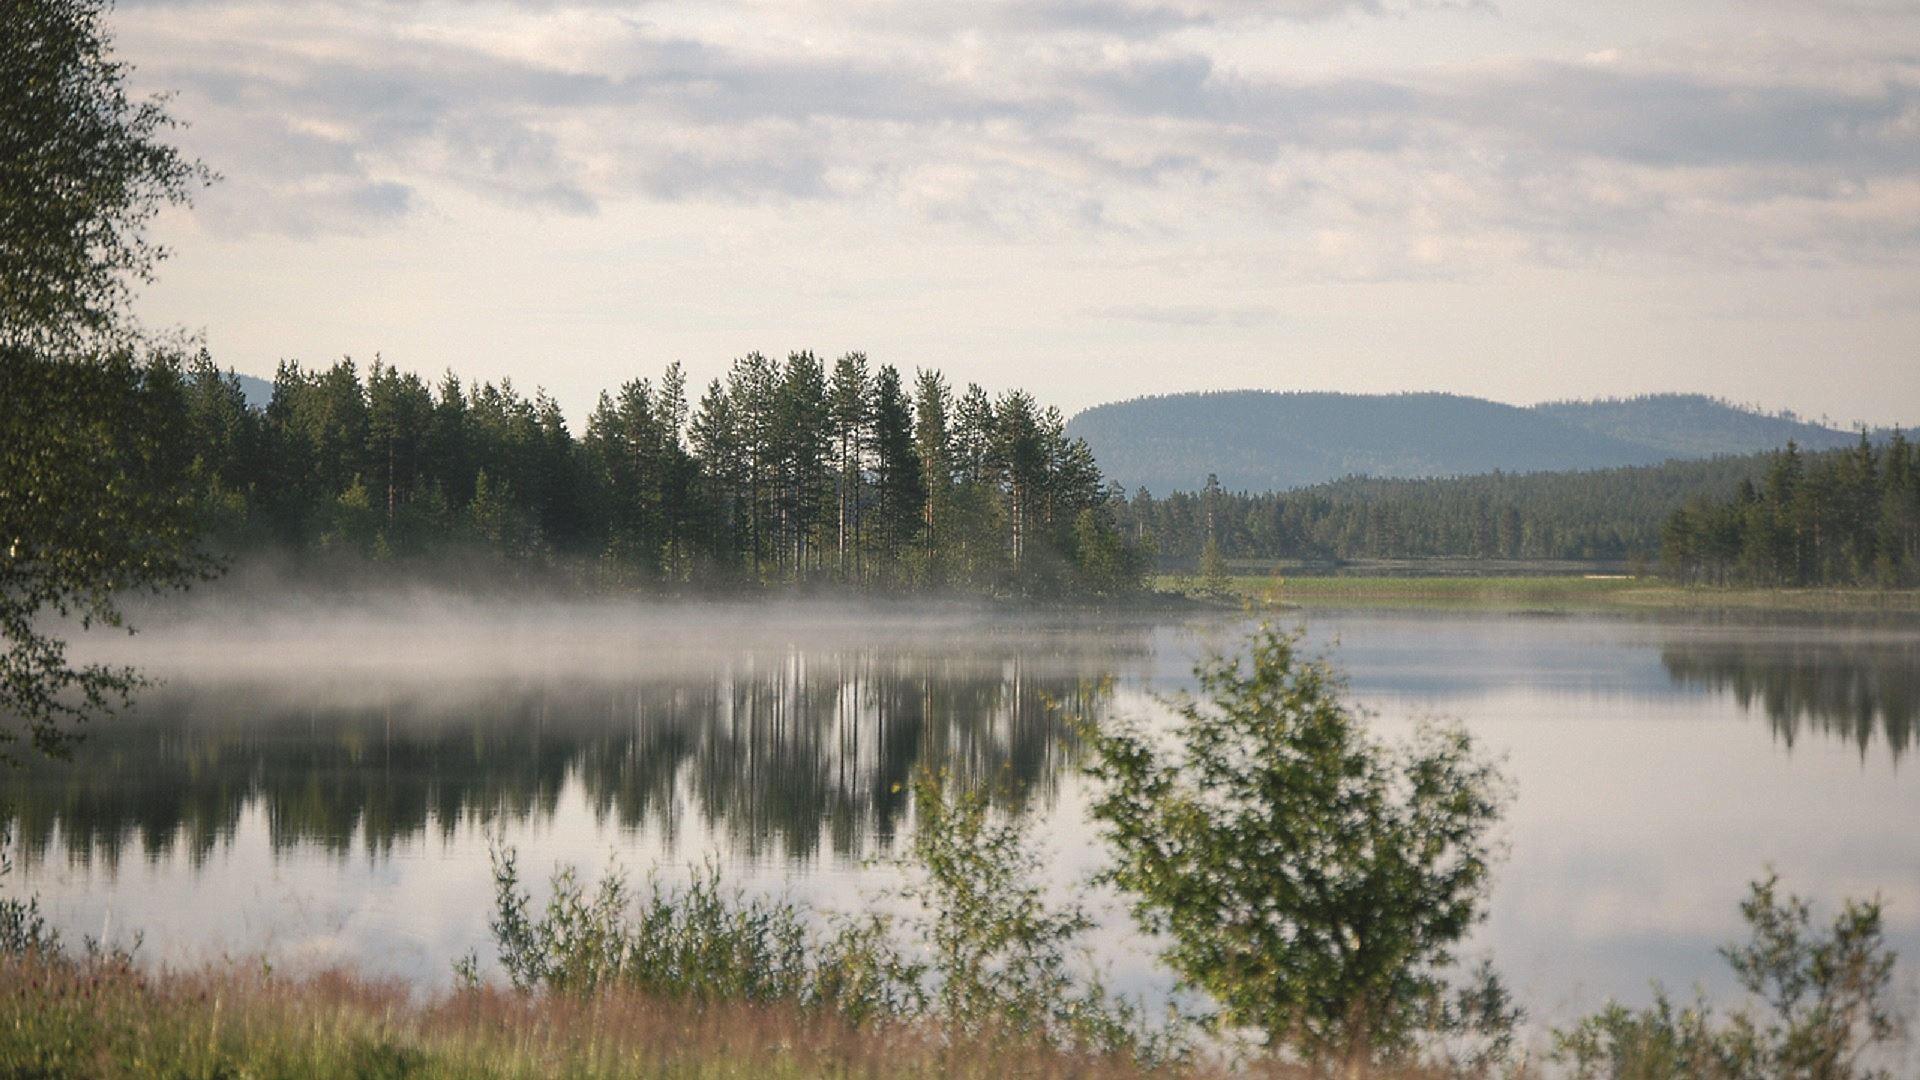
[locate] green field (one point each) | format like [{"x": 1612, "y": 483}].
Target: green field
[{"x": 1532, "y": 594}]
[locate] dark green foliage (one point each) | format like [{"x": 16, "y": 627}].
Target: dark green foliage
[
  {"x": 780, "y": 474},
  {"x": 1213, "y": 564},
  {"x": 1843, "y": 518},
  {"x": 94, "y": 503},
  {"x": 933, "y": 443},
  {"x": 1612, "y": 514},
  {"x": 92, "y": 476},
  {"x": 898, "y": 484},
  {"x": 804, "y": 437},
  {"x": 82, "y": 170},
  {"x": 1311, "y": 881},
  {"x": 1828, "y": 1000}
]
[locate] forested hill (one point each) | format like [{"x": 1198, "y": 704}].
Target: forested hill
[
  {"x": 1694, "y": 425},
  {"x": 1264, "y": 441}
]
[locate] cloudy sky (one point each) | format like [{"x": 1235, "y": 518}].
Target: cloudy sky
[{"x": 1520, "y": 199}]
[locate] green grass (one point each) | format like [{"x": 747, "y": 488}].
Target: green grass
[{"x": 1539, "y": 594}]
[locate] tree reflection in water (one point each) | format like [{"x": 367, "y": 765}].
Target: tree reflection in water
[
  {"x": 778, "y": 753},
  {"x": 1858, "y": 689}
]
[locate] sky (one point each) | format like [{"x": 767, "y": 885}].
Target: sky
[{"x": 1517, "y": 199}]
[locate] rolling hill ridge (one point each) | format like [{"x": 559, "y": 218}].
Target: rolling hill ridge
[{"x": 1256, "y": 440}]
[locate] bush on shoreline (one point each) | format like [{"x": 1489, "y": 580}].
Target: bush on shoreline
[{"x": 983, "y": 957}]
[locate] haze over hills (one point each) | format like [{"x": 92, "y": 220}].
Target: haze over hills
[
  {"x": 1257, "y": 440},
  {"x": 259, "y": 392}
]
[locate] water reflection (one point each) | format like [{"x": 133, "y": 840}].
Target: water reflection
[
  {"x": 781, "y": 754},
  {"x": 1861, "y": 690}
]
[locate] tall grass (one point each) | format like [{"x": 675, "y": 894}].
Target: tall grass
[
  {"x": 982, "y": 958},
  {"x": 700, "y": 943},
  {"x": 64, "y": 1018}
]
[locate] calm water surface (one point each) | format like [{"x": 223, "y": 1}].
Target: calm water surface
[{"x": 321, "y": 789}]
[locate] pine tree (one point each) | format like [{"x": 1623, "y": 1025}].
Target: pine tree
[
  {"x": 933, "y": 442},
  {"x": 897, "y": 468},
  {"x": 849, "y": 407},
  {"x": 716, "y": 444},
  {"x": 678, "y": 472},
  {"x": 1213, "y": 564},
  {"x": 805, "y": 442},
  {"x": 1020, "y": 456},
  {"x": 752, "y": 386}
]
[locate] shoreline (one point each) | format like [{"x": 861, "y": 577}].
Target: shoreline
[{"x": 1516, "y": 594}]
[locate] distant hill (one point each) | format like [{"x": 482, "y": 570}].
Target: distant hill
[
  {"x": 1694, "y": 425},
  {"x": 259, "y": 391},
  {"x": 1257, "y": 440}
]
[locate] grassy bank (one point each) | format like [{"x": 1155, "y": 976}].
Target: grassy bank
[
  {"x": 110, "y": 1021},
  {"x": 106, "y": 1020},
  {"x": 1540, "y": 594}
]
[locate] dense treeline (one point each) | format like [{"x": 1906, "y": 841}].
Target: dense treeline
[
  {"x": 1609, "y": 514},
  {"x": 1849, "y": 518},
  {"x": 787, "y": 472}
]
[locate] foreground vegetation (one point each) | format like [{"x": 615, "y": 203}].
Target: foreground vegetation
[
  {"x": 87, "y": 1019},
  {"x": 1823, "y": 1008}
]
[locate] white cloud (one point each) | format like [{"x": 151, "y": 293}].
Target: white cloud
[{"x": 1316, "y": 142}]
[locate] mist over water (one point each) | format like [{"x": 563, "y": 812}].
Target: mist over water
[{"x": 317, "y": 781}]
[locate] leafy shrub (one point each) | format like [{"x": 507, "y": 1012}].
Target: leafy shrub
[
  {"x": 1312, "y": 881},
  {"x": 22, "y": 928},
  {"x": 1004, "y": 959},
  {"x": 699, "y": 943},
  {"x": 1000, "y": 961},
  {"x": 1827, "y": 996}
]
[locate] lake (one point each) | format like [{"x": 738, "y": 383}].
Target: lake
[{"x": 320, "y": 788}]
